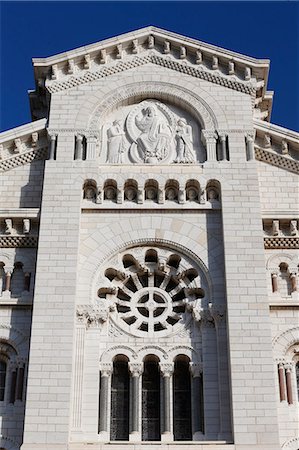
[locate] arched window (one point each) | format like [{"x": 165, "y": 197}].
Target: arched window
[
  {"x": 3, "y": 368},
  {"x": 182, "y": 426},
  {"x": 151, "y": 417},
  {"x": 119, "y": 427}
]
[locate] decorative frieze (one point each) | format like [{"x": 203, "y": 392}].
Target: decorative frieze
[
  {"x": 18, "y": 241},
  {"x": 281, "y": 243},
  {"x": 277, "y": 160},
  {"x": 23, "y": 158}
]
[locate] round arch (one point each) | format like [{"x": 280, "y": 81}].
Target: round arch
[
  {"x": 284, "y": 341},
  {"x": 291, "y": 444}
]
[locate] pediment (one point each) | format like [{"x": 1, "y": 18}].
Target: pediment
[{"x": 152, "y": 45}]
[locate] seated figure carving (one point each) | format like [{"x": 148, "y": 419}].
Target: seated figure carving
[{"x": 154, "y": 141}]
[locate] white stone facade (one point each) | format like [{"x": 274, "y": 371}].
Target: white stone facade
[{"x": 149, "y": 224}]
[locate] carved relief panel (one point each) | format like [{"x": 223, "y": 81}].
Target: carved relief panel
[{"x": 150, "y": 132}]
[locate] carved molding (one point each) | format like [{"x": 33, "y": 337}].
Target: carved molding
[
  {"x": 281, "y": 243},
  {"x": 197, "y": 72},
  {"x": 18, "y": 241},
  {"x": 23, "y": 158},
  {"x": 276, "y": 160},
  {"x": 151, "y": 88},
  {"x": 92, "y": 315}
]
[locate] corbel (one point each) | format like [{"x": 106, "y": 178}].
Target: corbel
[
  {"x": 71, "y": 66},
  {"x": 19, "y": 146},
  {"x": 151, "y": 42},
  {"x": 166, "y": 47},
  {"x": 135, "y": 46},
  {"x": 87, "y": 61},
  {"x": 231, "y": 67},
  {"x": 103, "y": 56},
  {"x": 34, "y": 139},
  {"x": 54, "y": 72},
  {"x": 215, "y": 64},
  {"x": 119, "y": 51},
  {"x": 198, "y": 58},
  {"x": 183, "y": 52},
  {"x": 247, "y": 73}
]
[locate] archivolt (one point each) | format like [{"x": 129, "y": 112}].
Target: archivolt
[
  {"x": 284, "y": 341},
  {"x": 193, "y": 103}
]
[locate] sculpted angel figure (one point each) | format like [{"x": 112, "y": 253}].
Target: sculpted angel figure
[
  {"x": 154, "y": 140},
  {"x": 116, "y": 143},
  {"x": 184, "y": 142}
]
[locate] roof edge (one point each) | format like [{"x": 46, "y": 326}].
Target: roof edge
[
  {"x": 80, "y": 51},
  {"x": 22, "y": 130},
  {"x": 276, "y": 129}
]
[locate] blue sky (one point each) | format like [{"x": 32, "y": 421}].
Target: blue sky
[{"x": 259, "y": 29}]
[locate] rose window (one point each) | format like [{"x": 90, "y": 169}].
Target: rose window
[{"x": 151, "y": 293}]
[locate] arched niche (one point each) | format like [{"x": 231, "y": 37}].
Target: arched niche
[{"x": 178, "y": 117}]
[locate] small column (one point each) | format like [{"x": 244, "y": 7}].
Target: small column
[
  {"x": 274, "y": 282},
  {"x": 106, "y": 370},
  {"x": 223, "y": 154},
  {"x": 136, "y": 370},
  {"x": 120, "y": 196},
  {"x": 288, "y": 369},
  {"x": 91, "y": 147},
  {"x": 166, "y": 371},
  {"x": 197, "y": 401},
  {"x": 209, "y": 138},
  {"x": 293, "y": 277},
  {"x": 281, "y": 379},
  {"x": 20, "y": 383},
  {"x": 79, "y": 147},
  {"x": 8, "y": 274},
  {"x": 27, "y": 282},
  {"x": 250, "y": 147},
  {"x": 53, "y": 138}
]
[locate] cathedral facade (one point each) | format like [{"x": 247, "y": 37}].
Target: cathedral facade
[{"x": 149, "y": 254}]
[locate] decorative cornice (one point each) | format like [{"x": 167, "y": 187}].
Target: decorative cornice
[
  {"x": 277, "y": 160},
  {"x": 284, "y": 242},
  {"x": 200, "y": 72},
  {"x": 18, "y": 241},
  {"x": 23, "y": 158}
]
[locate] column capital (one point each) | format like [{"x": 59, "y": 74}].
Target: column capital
[
  {"x": 209, "y": 135},
  {"x": 289, "y": 366},
  {"x": 106, "y": 369},
  {"x": 166, "y": 369},
  {"x": 196, "y": 369},
  {"x": 136, "y": 369}
]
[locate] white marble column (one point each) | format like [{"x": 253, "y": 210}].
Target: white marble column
[
  {"x": 197, "y": 401},
  {"x": 167, "y": 372},
  {"x": 78, "y": 378},
  {"x": 210, "y": 139},
  {"x": 136, "y": 370},
  {"x": 106, "y": 371}
]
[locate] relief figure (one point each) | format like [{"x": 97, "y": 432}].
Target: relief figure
[
  {"x": 154, "y": 141},
  {"x": 184, "y": 142},
  {"x": 116, "y": 143}
]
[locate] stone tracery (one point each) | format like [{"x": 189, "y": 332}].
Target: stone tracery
[{"x": 153, "y": 295}]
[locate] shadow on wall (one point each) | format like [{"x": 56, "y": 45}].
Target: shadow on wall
[
  {"x": 17, "y": 281},
  {"x": 31, "y": 192}
]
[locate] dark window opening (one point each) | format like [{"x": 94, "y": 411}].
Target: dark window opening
[
  {"x": 151, "y": 402},
  {"x": 119, "y": 430},
  {"x": 182, "y": 402}
]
